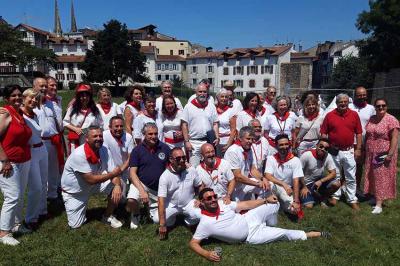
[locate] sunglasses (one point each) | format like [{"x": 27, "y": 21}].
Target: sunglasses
[
  {"x": 380, "y": 106},
  {"x": 272, "y": 92},
  {"x": 322, "y": 147},
  {"x": 215, "y": 196},
  {"x": 180, "y": 158}
]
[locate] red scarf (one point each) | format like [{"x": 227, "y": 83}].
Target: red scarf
[
  {"x": 245, "y": 153},
  {"x": 199, "y": 105},
  {"x": 106, "y": 107},
  {"x": 258, "y": 142},
  {"x": 268, "y": 100},
  {"x": 215, "y": 167},
  {"x": 135, "y": 105},
  {"x": 285, "y": 116},
  {"x": 91, "y": 156},
  {"x": 288, "y": 157},
  {"x": 54, "y": 99},
  {"x": 17, "y": 114},
  {"x": 221, "y": 110},
  {"x": 315, "y": 155},
  {"x": 212, "y": 214},
  {"x": 250, "y": 113},
  {"x": 85, "y": 112},
  {"x": 263, "y": 111},
  {"x": 312, "y": 117}
]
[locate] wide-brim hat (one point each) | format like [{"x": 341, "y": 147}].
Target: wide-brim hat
[{"x": 229, "y": 84}]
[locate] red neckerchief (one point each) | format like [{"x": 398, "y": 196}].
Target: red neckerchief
[
  {"x": 17, "y": 114},
  {"x": 268, "y": 100},
  {"x": 221, "y": 110},
  {"x": 106, "y": 107},
  {"x": 54, "y": 99},
  {"x": 250, "y": 113},
  {"x": 312, "y": 117},
  {"x": 31, "y": 116},
  {"x": 85, "y": 113},
  {"x": 215, "y": 167},
  {"x": 288, "y": 157},
  {"x": 199, "y": 105},
  {"x": 212, "y": 214},
  {"x": 263, "y": 111},
  {"x": 245, "y": 153},
  {"x": 315, "y": 155},
  {"x": 150, "y": 116},
  {"x": 91, "y": 156},
  {"x": 284, "y": 117},
  {"x": 360, "y": 105},
  {"x": 135, "y": 105}
]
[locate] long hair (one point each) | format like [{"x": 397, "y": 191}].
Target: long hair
[
  {"x": 247, "y": 99},
  {"x": 163, "y": 109},
  {"x": 77, "y": 105}
]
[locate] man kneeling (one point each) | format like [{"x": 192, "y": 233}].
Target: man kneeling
[
  {"x": 224, "y": 223},
  {"x": 88, "y": 170}
]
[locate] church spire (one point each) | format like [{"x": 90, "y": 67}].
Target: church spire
[
  {"x": 73, "y": 20},
  {"x": 57, "y": 22}
]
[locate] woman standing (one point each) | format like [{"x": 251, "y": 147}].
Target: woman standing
[
  {"x": 250, "y": 110},
  {"x": 15, "y": 155},
  {"x": 82, "y": 114},
  {"x": 171, "y": 122},
  {"x": 382, "y": 132},
  {"x": 306, "y": 133},
  {"x": 106, "y": 107},
  {"x": 134, "y": 98},
  {"x": 149, "y": 115},
  {"x": 38, "y": 172},
  {"x": 227, "y": 122}
]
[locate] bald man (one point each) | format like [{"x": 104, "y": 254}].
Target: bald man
[{"x": 40, "y": 84}]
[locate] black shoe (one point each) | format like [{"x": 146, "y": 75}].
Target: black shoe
[{"x": 325, "y": 234}]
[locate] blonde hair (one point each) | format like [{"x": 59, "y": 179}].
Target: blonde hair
[
  {"x": 104, "y": 89},
  {"x": 30, "y": 93}
]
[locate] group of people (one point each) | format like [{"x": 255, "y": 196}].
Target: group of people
[{"x": 224, "y": 165}]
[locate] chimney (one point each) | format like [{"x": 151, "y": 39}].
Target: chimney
[
  {"x": 300, "y": 48},
  {"x": 57, "y": 22},
  {"x": 73, "y": 20}
]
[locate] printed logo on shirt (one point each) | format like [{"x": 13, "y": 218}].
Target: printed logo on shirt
[{"x": 161, "y": 155}]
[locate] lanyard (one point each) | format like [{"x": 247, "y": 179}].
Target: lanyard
[
  {"x": 279, "y": 124},
  {"x": 255, "y": 153}
]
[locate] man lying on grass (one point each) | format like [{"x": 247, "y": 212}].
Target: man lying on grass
[{"x": 223, "y": 222}]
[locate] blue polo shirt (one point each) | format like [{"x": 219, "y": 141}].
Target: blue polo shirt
[{"x": 150, "y": 163}]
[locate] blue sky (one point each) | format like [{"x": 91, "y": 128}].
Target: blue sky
[{"x": 215, "y": 23}]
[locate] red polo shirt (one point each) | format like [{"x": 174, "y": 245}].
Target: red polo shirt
[{"x": 341, "y": 128}]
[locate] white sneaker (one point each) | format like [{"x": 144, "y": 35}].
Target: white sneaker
[
  {"x": 377, "y": 210},
  {"x": 21, "y": 229},
  {"x": 134, "y": 221},
  {"x": 9, "y": 240},
  {"x": 112, "y": 221}
]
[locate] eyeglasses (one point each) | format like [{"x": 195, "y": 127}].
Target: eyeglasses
[
  {"x": 180, "y": 158},
  {"x": 215, "y": 196},
  {"x": 322, "y": 147},
  {"x": 380, "y": 106},
  {"x": 272, "y": 92}
]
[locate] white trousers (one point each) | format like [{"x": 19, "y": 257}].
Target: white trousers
[
  {"x": 54, "y": 176},
  {"x": 191, "y": 213},
  {"x": 305, "y": 145},
  {"x": 260, "y": 221},
  {"x": 195, "y": 156},
  {"x": 13, "y": 188},
  {"x": 284, "y": 199},
  {"x": 76, "y": 204},
  {"x": 245, "y": 192},
  {"x": 345, "y": 160},
  {"x": 37, "y": 185}
]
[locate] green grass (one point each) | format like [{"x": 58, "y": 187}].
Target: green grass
[{"x": 358, "y": 239}]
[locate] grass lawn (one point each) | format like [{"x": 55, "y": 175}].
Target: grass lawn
[{"x": 358, "y": 239}]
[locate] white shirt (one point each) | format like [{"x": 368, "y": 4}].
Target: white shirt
[
  {"x": 77, "y": 119},
  {"x": 210, "y": 99},
  {"x": 364, "y": 114},
  {"x": 178, "y": 189},
  {"x": 224, "y": 125},
  {"x": 33, "y": 124},
  {"x": 199, "y": 120},
  {"x": 122, "y": 106},
  {"x": 170, "y": 125},
  {"x": 237, "y": 106},
  {"x": 236, "y": 158},
  {"x": 217, "y": 179},
  {"x": 48, "y": 113},
  {"x": 276, "y": 127},
  {"x": 230, "y": 226},
  {"x": 135, "y": 112},
  {"x": 115, "y": 110},
  {"x": 139, "y": 123},
  {"x": 72, "y": 180},
  {"x": 285, "y": 172},
  {"x": 159, "y": 102},
  {"x": 264, "y": 116},
  {"x": 243, "y": 119},
  {"x": 313, "y": 168},
  {"x": 259, "y": 150},
  {"x": 309, "y": 130},
  {"x": 269, "y": 108}
]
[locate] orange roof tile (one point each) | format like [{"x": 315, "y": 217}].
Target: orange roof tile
[
  {"x": 70, "y": 58},
  {"x": 170, "y": 58}
]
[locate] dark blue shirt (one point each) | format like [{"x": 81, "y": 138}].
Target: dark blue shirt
[{"x": 150, "y": 163}]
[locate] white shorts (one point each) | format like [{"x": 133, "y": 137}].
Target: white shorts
[
  {"x": 191, "y": 213},
  {"x": 245, "y": 192}
]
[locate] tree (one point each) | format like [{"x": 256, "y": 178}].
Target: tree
[
  {"x": 115, "y": 56},
  {"x": 382, "y": 22},
  {"x": 350, "y": 72},
  {"x": 16, "y": 51}
]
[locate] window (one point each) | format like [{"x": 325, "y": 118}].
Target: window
[
  {"x": 176, "y": 77},
  {"x": 71, "y": 76},
  {"x": 24, "y": 34},
  {"x": 181, "y": 52},
  {"x": 238, "y": 83},
  {"x": 158, "y": 66},
  {"x": 70, "y": 67},
  {"x": 166, "y": 77},
  {"x": 158, "y": 51},
  {"x": 211, "y": 80},
  {"x": 159, "y": 77},
  {"x": 194, "y": 69},
  {"x": 149, "y": 43},
  {"x": 174, "y": 67},
  {"x": 194, "y": 82},
  {"x": 171, "y": 52},
  {"x": 238, "y": 70},
  {"x": 226, "y": 70},
  {"x": 162, "y": 67},
  {"x": 60, "y": 66},
  {"x": 266, "y": 83},
  {"x": 252, "y": 83},
  {"x": 210, "y": 69},
  {"x": 267, "y": 69},
  {"x": 252, "y": 70},
  {"x": 166, "y": 66},
  {"x": 222, "y": 83}
]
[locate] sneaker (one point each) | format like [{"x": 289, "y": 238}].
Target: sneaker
[
  {"x": 21, "y": 229},
  {"x": 111, "y": 221},
  {"x": 324, "y": 205},
  {"x": 9, "y": 240},
  {"x": 377, "y": 210},
  {"x": 135, "y": 219},
  {"x": 326, "y": 234}
]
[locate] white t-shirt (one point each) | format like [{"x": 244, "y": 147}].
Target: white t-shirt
[
  {"x": 314, "y": 168},
  {"x": 106, "y": 117},
  {"x": 77, "y": 119},
  {"x": 243, "y": 119},
  {"x": 259, "y": 150},
  {"x": 309, "y": 130},
  {"x": 275, "y": 126},
  {"x": 224, "y": 125},
  {"x": 285, "y": 172},
  {"x": 364, "y": 114},
  {"x": 122, "y": 106},
  {"x": 199, "y": 120},
  {"x": 135, "y": 112},
  {"x": 72, "y": 180},
  {"x": 178, "y": 189},
  {"x": 229, "y": 226},
  {"x": 46, "y": 114},
  {"x": 33, "y": 124},
  {"x": 235, "y": 155},
  {"x": 264, "y": 116},
  {"x": 139, "y": 123},
  {"x": 269, "y": 108},
  {"x": 217, "y": 179},
  {"x": 159, "y": 101},
  {"x": 237, "y": 106},
  {"x": 171, "y": 125}
]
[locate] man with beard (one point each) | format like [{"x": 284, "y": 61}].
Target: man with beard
[
  {"x": 199, "y": 124},
  {"x": 210, "y": 98},
  {"x": 166, "y": 90},
  {"x": 284, "y": 170},
  {"x": 216, "y": 173},
  {"x": 248, "y": 179},
  {"x": 317, "y": 186},
  {"x": 88, "y": 170},
  {"x": 365, "y": 111},
  {"x": 176, "y": 190},
  {"x": 236, "y": 103},
  {"x": 259, "y": 148},
  {"x": 341, "y": 126},
  {"x": 257, "y": 226}
]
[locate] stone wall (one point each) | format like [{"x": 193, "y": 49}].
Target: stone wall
[{"x": 298, "y": 75}]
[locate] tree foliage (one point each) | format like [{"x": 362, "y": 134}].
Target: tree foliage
[
  {"x": 382, "y": 23},
  {"x": 115, "y": 56},
  {"x": 14, "y": 50},
  {"x": 350, "y": 72}
]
